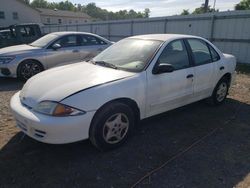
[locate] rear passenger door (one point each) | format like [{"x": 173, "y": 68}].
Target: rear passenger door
[
  {"x": 204, "y": 68},
  {"x": 90, "y": 46}
]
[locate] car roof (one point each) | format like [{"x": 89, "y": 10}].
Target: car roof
[
  {"x": 63, "y": 33},
  {"x": 163, "y": 37},
  {"x": 70, "y": 32}
]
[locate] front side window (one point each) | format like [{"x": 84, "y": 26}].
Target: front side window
[
  {"x": 175, "y": 54},
  {"x": 27, "y": 31},
  {"x": 23, "y": 32},
  {"x": 67, "y": 41},
  {"x": 2, "y": 15},
  {"x": 130, "y": 54},
  {"x": 200, "y": 51},
  {"x": 30, "y": 31}
]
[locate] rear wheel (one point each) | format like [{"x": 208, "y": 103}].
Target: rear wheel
[
  {"x": 111, "y": 126},
  {"x": 220, "y": 92},
  {"x": 28, "y": 68}
]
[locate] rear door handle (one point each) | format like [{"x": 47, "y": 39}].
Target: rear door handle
[
  {"x": 190, "y": 76},
  {"x": 75, "y": 51},
  {"x": 221, "y": 68}
]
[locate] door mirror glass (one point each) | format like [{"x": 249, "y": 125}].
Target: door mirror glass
[
  {"x": 163, "y": 68},
  {"x": 56, "y": 46}
]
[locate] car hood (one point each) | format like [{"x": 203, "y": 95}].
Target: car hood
[
  {"x": 60, "y": 82},
  {"x": 18, "y": 49}
]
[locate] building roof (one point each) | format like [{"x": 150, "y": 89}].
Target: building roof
[
  {"x": 62, "y": 13},
  {"x": 163, "y": 37},
  {"x": 21, "y": 1}
]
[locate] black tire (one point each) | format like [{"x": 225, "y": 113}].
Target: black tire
[
  {"x": 216, "y": 99},
  {"x": 99, "y": 127},
  {"x": 28, "y": 68}
]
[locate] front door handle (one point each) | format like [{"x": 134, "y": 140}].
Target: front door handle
[
  {"x": 75, "y": 51},
  {"x": 221, "y": 68},
  {"x": 190, "y": 76}
]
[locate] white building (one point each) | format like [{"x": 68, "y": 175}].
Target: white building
[
  {"x": 16, "y": 11},
  {"x": 52, "y": 17}
]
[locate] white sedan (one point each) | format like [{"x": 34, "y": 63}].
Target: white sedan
[{"x": 136, "y": 78}]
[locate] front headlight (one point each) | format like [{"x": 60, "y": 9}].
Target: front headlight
[
  {"x": 6, "y": 59},
  {"x": 57, "y": 109}
]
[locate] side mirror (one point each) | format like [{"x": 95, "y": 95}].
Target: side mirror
[
  {"x": 163, "y": 68},
  {"x": 56, "y": 46}
]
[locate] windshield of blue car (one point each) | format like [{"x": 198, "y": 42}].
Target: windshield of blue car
[
  {"x": 129, "y": 54},
  {"x": 44, "y": 41}
]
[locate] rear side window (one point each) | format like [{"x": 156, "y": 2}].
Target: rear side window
[
  {"x": 88, "y": 40},
  {"x": 175, "y": 54},
  {"x": 215, "y": 56},
  {"x": 201, "y": 53}
]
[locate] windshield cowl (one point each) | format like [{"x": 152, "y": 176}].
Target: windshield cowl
[{"x": 105, "y": 64}]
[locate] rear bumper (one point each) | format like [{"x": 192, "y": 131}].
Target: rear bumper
[{"x": 49, "y": 129}]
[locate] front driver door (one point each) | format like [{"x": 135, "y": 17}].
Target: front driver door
[
  {"x": 68, "y": 53},
  {"x": 167, "y": 91}
]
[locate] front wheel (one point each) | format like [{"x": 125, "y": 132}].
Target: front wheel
[
  {"x": 28, "y": 68},
  {"x": 111, "y": 126},
  {"x": 220, "y": 92}
]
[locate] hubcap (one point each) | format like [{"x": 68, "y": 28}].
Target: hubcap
[
  {"x": 115, "y": 128},
  {"x": 29, "y": 69},
  {"x": 221, "y": 92}
]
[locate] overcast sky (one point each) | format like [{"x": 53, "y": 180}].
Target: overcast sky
[{"x": 157, "y": 7}]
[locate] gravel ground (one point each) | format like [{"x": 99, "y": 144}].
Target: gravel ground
[{"x": 220, "y": 160}]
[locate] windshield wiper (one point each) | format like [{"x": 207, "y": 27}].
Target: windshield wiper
[{"x": 105, "y": 64}]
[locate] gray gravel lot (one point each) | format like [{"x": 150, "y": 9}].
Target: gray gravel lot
[{"x": 220, "y": 160}]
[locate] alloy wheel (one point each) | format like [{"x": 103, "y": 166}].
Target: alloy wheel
[{"x": 115, "y": 128}]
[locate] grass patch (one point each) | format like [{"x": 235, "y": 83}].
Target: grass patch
[{"x": 243, "y": 68}]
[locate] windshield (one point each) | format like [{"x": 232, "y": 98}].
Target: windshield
[
  {"x": 129, "y": 54},
  {"x": 44, "y": 41}
]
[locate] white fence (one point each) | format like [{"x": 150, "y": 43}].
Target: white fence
[{"x": 230, "y": 31}]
